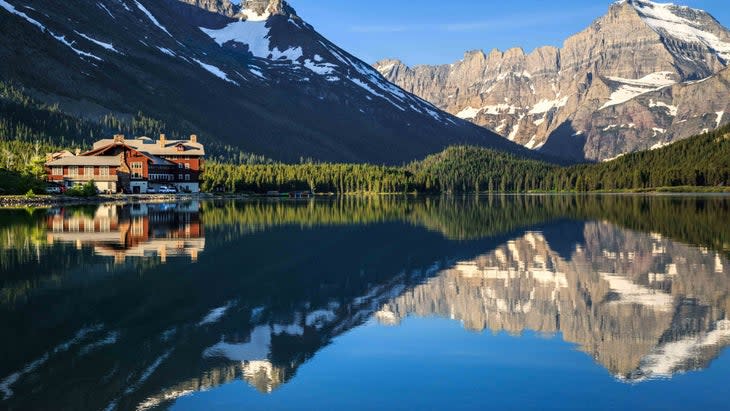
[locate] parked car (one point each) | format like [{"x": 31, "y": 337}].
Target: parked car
[
  {"x": 151, "y": 190},
  {"x": 168, "y": 190},
  {"x": 54, "y": 189}
]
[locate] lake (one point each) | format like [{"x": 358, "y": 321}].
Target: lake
[{"x": 504, "y": 302}]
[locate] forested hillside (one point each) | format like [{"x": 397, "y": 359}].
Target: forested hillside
[
  {"x": 25, "y": 119},
  {"x": 702, "y": 161}
]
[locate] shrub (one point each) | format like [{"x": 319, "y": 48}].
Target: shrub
[{"x": 86, "y": 190}]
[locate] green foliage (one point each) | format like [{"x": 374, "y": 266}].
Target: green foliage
[
  {"x": 471, "y": 169},
  {"x": 27, "y": 120},
  {"x": 700, "y": 161},
  {"x": 88, "y": 189},
  {"x": 323, "y": 178}
]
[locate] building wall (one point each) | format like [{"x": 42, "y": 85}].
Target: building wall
[
  {"x": 133, "y": 157},
  {"x": 103, "y": 182},
  {"x": 192, "y": 165}
]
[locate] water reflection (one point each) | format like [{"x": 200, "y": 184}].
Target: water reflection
[
  {"x": 642, "y": 305},
  {"x": 139, "y": 230},
  {"x": 98, "y": 314}
]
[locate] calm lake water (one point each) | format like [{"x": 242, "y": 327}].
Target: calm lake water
[{"x": 515, "y": 302}]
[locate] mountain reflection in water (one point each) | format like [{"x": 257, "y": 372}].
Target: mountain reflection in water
[{"x": 134, "y": 306}]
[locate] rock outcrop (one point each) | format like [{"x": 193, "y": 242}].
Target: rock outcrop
[{"x": 628, "y": 82}]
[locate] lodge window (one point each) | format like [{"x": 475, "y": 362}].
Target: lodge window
[
  {"x": 179, "y": 176},
  {"x": 73, "y": 171},
  {"x": 57, "y": 171},
  {"x": 187, "y": 177},
  {"x": 187, "y": 166},
  {"x": 104, "y": 171},
  {"x": 88, "y": 171},
  {"x": 180, "y": 165},
  {"x": 136, "y": 170}
]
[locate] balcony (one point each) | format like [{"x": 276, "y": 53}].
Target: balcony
[{"x": 84, "y": 177}]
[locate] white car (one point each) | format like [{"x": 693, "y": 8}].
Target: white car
[{"x": 168, "y": 190}]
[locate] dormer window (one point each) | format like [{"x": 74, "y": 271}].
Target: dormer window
[{"x": 180, "y": 147}]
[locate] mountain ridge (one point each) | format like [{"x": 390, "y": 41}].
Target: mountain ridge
[
  {"x": 572, "y": 99},
  {"x": 264, "y": 83}
]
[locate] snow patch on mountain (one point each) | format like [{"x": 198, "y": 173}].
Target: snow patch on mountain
[
  {"x": 546, "y": 105},
  {"x": 468, "y": 113},
  {"x": 151, "y": 17},
  {"x": 12, "y": 10},
  {"x": 256, "y": 36},
  {"x": 215, "y": 71},
  {"x": 103, "y": 7},
  {"x": 107, "y": 46},
  {"x": 167, "y": 51},
  {"x": 661, "y": 18},
  {"x": 632, "y": 88},
  {"x": 671, "y": 110}
]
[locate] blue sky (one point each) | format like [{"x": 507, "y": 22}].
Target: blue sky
[{"x": 439, "y": 31}]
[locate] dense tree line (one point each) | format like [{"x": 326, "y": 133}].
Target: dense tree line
[{"x": 701, "y": 161}]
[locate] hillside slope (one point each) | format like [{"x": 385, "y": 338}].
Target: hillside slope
[{"x": 256, "y": 77}]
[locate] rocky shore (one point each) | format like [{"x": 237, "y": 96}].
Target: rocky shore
[{"x": 51, "y": 201}]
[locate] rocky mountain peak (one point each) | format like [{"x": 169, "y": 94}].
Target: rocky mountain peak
[
  {"x": 224, "y": 7},
  {"x": 253, "y": 10},
  {"x": 617, "y": 86},
  {"x": 262, "y": 9}
]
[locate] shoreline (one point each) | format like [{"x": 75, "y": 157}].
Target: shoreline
[
  {"x": 56, "y": 200},
  {"x": 20, "y": 201}
]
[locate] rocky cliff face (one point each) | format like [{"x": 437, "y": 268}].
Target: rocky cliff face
[{"x": 628, "y": 82}]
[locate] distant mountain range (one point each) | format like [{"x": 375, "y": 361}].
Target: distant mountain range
[
  {"x": 642, "y": 76},
  {"x": 254, "y": 76}
]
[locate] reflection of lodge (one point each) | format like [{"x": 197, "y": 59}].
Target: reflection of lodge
[
  {"x": 642, "y": 306},
  {"x": 140, "y": 230}
]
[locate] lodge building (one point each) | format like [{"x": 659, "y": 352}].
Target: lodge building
[{"x": 119, "y": 165}]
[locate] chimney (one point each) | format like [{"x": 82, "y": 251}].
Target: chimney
[
  {"x": 163, "y": 140},
  {"x": 193, "y": 138},
  {"x": 119, "y": 138},
  {"x": 77, "y": 151}
]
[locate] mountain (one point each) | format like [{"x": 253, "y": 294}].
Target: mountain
[
  {"x": 254, "y": 76},
  {"x": 641, "y": 76}
]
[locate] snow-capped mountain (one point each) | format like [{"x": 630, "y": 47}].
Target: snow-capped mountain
[
  {"x": 641, "y": 76},
  {"x": 252, "y": 75}
]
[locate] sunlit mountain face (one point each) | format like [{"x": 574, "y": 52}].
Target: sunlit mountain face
[{"x": 143, "y": 306}]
